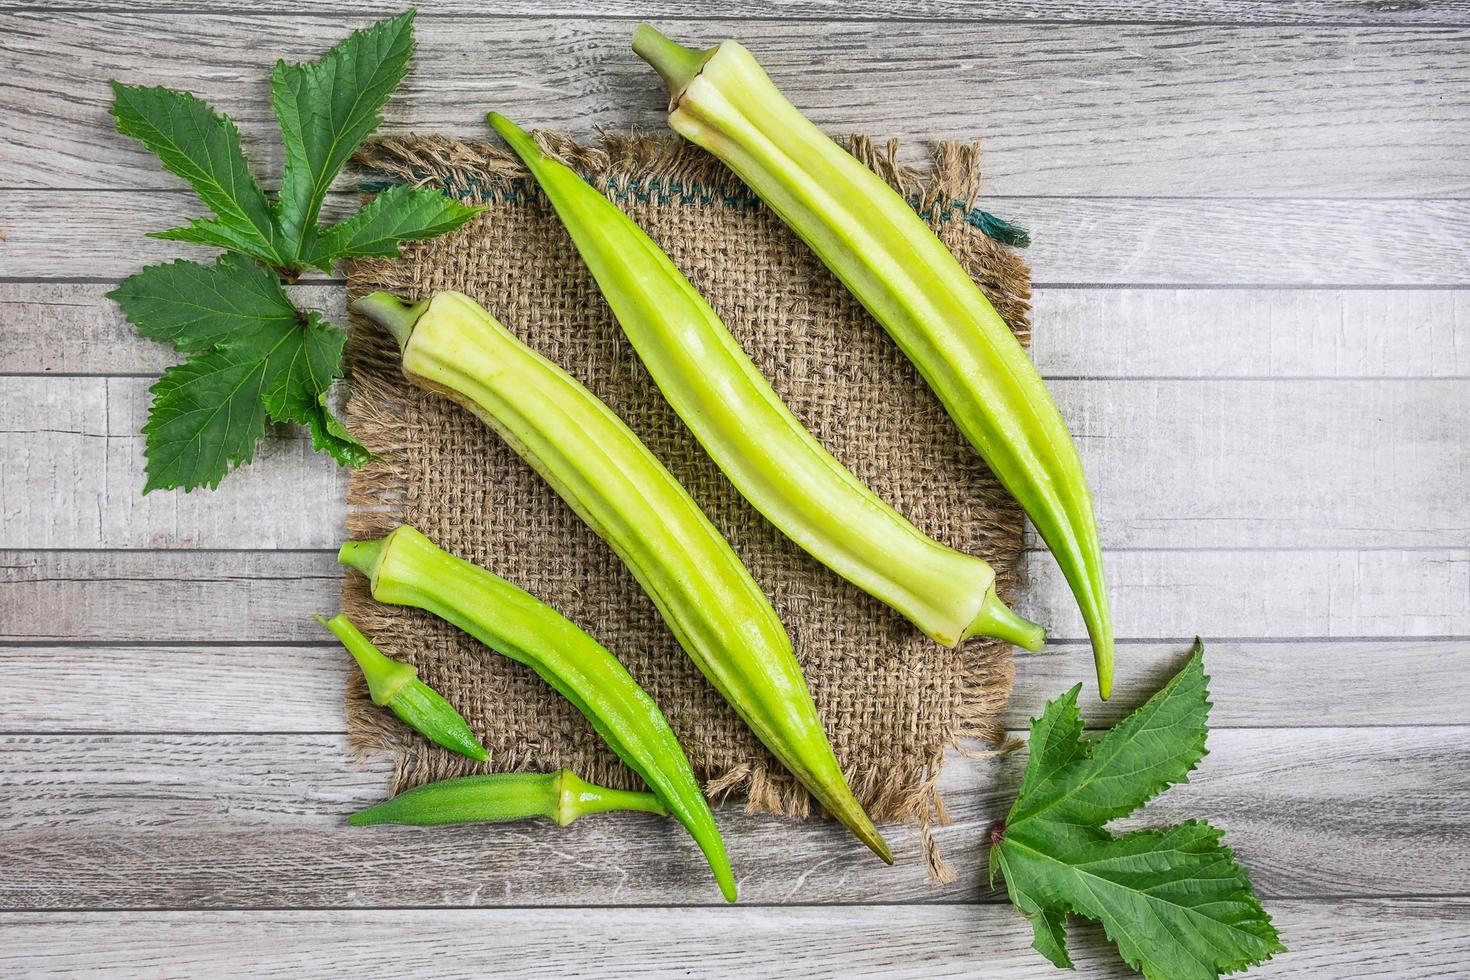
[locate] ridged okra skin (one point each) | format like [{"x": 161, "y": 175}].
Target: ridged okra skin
[
  {"x": 704, "y": 593},
  {"x": 407, "y": 569},
  {"x": 562, "y": 797},
  {"x": 770, "y": 457},
  {"x": 892, "y": 262}
]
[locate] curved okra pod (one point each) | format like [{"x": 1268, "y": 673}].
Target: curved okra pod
[
  {"x": 898, "y": 269},
  {"x": 769, "y": 456},
  {"x": 407, "y": 569},
  {"x": 595, "y": 462},
  {"x": 396, "y": 686},
  {"x": 560, "y": 796}
]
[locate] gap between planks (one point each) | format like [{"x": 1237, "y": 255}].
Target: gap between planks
[{"x": 296, "y": 689}]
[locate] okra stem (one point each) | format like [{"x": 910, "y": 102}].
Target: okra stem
[
  {"x": 385, "y": 677},
  {"x": 560, "y": 796}
]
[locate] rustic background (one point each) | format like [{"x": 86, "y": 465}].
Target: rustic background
[{"x": 1252, "y": 228}]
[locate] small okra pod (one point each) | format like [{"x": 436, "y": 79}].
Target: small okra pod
[
  {"x": 617, "y": 486},
  {"x": 770, "y": 457},
  {"x": 396, "y": 686},
  {"x": 407, "y": 569},
  {"x": 895, "y": 265},
  {"x": 560, "y": 796}
]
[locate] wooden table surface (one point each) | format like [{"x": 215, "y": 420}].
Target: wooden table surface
[{"x": 1252, "y": 257}]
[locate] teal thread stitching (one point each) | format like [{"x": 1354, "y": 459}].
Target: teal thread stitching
[{"x": 514, "y": 189}]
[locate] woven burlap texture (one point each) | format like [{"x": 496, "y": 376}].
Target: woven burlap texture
[{"x": 892, "y": 700}]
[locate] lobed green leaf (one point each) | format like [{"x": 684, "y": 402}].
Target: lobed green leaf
[
  {"x": 203, "y": 147},
  {"x": 326, "y": 109},
  {"x": 1175, "y": 902},
  {"x": 399, "y": 214}
]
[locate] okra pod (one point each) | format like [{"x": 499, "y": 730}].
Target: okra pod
[
  {"x": 396, "y": 686},
  {"x": 560, "y": 796},
  {"x": 614, "y": 483},
  {"x": 770, "y": 457},
  {"x": 407, "y": 569},
  {"x": 909, "y": 281}
]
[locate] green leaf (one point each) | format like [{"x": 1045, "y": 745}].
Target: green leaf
[
  {"x": 1175, "y": 902},
  {"x": 328, "y": 434},
  {"x": 399, "y": 214},
  {"x": 254, "y": 356},
  {"x": 193, "y": 307},
  {"x": 203, "y": 147},
  {"x": 326, "y": 108}
]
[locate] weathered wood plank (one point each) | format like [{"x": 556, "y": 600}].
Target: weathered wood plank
[
  {"x": 64, "y": 328},
  {"x": 298, "y": 688},
  {"x": 1250, "y": 333},
  {"x": 1145, "y": 101},
  {"x": 259, "y": 689},
  {"x": 1191, "y": 12},
  {"x": 1365, "y": 938},
  {"x": 180, "y": 821},
  {"x": 1288, "y": 684},
  {"x": 268, "y": 596},
  {"x": 1172, "y": 463},
  {"x": 1099, "y": 241},
  {"x": 78, "y": 476},
  {"x": 72, "y": 328}
]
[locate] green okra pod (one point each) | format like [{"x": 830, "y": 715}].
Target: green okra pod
[
  {"x": 909, "y": 281},
  {"x": 560, "y": 796},
  {"x": 770, "y": 457},
  {"x": 407, "y": 569},
  {"x": 396, "y": 686},
  {"x": 614, "y": 483}
]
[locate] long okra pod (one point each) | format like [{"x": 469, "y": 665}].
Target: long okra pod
[
  {"x": 767, "y": 453},
  {"x": 397, "y": 687},
  {"x": 898, "y": 269},
  {"x": 407, "y": 569},
  {"x": 614, "y": 483},
  {"x": 560, "y": 796}
]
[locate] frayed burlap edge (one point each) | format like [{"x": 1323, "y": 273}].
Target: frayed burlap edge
[{"x": 944, "y": 192}]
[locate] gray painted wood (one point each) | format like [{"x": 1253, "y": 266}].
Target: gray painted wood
[
  {"x": 70, "y": 328},
  {"x": 959, "y": 12},
  {"x": 1143, "y": 99},
  {"x": 1327, "y": 938},
  {"x": 178, "y": 596},
  {"x": 252, "y": 821},
  {"x": 1176, "y": 464},
  {"x": 1175, "y": 242},
  {"x": 53, "y": 689}
]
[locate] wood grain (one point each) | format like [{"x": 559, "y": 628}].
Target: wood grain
[
  {"x": 71, "y": 328},
  {"x": 241, "y": 821},
  {"x": 1174, "y": 464},
  {"x": 1326, "y": 938},
  {"x": 1362, "y": 111},
  {"x": 297, "y": 689},
  {"x": 176, "y": 596},
  {"x": 96, "y": 235},
  {"x": 1189, "y": 12}
]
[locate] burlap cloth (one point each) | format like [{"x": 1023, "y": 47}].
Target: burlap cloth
[{"x": 892, "y": 700}]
